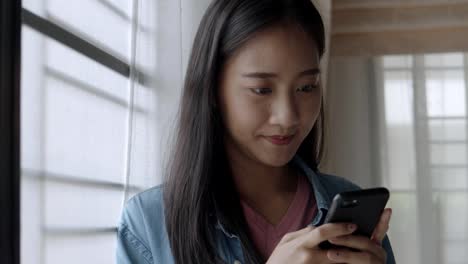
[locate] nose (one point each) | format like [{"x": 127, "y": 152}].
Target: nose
[{"x": 285, "y": 113}]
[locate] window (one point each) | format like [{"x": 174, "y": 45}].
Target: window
[
  {"x": 88, "y": 124},
  {"x": 424, "y": 130}
]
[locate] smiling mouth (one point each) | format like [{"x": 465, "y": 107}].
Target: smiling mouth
[{"x": 280, "y": 140}]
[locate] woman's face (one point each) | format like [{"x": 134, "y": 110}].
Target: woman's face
[{"x": 269, "y": 87}]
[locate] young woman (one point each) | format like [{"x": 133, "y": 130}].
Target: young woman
[{"x": 243, "y": 185}]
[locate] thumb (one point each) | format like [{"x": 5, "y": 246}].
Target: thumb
[{"x": 382, "y": 226}]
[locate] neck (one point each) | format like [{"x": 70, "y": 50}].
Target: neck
[{"x": 257, "y": 182}]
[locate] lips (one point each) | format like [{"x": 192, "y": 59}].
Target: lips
[{"x": 280, "y": 140}]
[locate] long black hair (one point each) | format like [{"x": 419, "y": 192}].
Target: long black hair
[{"x": 198, "y": 187}]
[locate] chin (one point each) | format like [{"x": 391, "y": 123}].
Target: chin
[
  {"x": 276, "y": 160},
  {"x": 276, "y": 157}
]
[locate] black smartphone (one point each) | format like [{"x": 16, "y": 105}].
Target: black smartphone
[{"x": 361, "y": 207}]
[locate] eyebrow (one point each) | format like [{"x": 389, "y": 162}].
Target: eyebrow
[{"x": 266, "y": 75}]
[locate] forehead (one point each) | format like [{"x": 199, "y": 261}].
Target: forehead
[{"x": 282, "y": 49}]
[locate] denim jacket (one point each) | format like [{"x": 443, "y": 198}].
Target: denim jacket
[{"x": 142, "y": 236}]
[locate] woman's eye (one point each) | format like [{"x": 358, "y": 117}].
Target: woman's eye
[
  {"x": 261, "y": 91},
  {"x": 308, "y": 88}
]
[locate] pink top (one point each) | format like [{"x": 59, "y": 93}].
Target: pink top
[{"x": 300, "y": 213}]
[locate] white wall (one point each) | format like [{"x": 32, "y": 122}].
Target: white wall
[
  {"x": 176, "y": 28},
  {"x": 348, "y": 116},
  {"x": 325, "y": 7}
]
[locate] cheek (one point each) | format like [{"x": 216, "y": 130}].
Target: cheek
[
  {"x": 244, "y": 116},
  {"x": 310, "y": 111}
]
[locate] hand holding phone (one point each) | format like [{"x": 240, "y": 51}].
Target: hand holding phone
[{"x": 362, "y": 207}]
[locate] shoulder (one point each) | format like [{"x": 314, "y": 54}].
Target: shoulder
[
  {"x": 141, "y": 234},
  {"x": 326, "y": 184},
  {"x": 334, "y": 184},
  {"x": 148, "y": 198},
  {"x": 143, "y": 213}
]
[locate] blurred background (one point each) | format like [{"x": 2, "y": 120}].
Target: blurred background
[{"x": 101, "y": 81}]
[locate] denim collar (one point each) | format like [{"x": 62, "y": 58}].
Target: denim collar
[{"x": 321, "y": 196}]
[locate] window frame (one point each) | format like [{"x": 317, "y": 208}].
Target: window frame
[
  {"x": 85, "y": 47},
  {"x": 426, "y": 193},
  {"x": 10, "y": 51}
]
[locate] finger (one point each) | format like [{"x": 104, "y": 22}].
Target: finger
[
  {"x": 319, "y": 256},
  {"x": 293, "y": 235},
  {"x": 325, "y": 232},
  {"x": 361, "y": 243},
  {"x": 382, "y": 227},
  {"x": 351, "y": 257}
]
